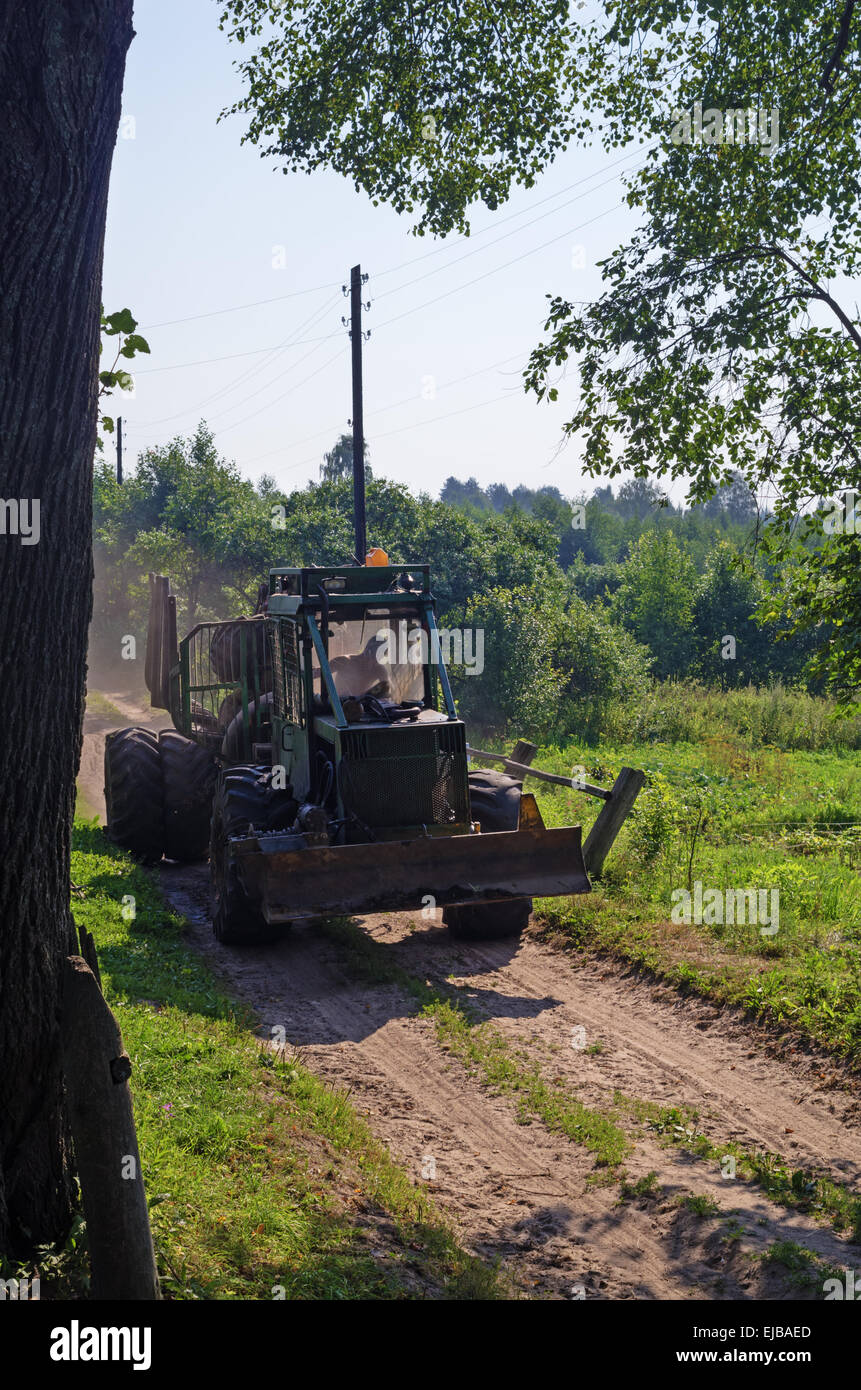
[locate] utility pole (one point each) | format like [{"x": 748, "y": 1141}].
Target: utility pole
[
  {"x": 358, "y": 420},
  {"x": 119, "y": 448}
]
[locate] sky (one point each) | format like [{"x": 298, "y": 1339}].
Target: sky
[{"x": 200, "y": 224}]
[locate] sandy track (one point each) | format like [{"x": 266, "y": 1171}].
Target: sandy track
[
  {"x": 661, "y": 1047},
  {"x": 516, "y": 1191}
]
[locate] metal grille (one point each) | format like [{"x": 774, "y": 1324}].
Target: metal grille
[
  {"x": 405, "y": 776},
  {"x": 403, "y": 740},
  {"x": 284, "y": 641},
  {"x": 224, "y": 662}
]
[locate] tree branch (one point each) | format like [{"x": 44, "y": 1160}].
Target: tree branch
[
  {"x": 818, "y": 291},
  {"x": 833, "y": 64}
]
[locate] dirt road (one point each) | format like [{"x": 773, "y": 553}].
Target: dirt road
[{"x": 517, "y": 1188}]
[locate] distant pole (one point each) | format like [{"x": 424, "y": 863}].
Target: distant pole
[
  {"x": 358, "y": 421},
  {"x": 119, "y": 448}
]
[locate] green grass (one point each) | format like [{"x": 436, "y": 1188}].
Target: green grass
[
  {"x": 84, "y": 810},
  {"x": 700, "y": 1204},
  {"x": 729, "y": 816},
  {"x": 100, "y": 707},
  {"x": 687, "y": 712},
  {"x": 801, "y": 1268},
  {"x": 797, "y": 1189},
  {"x": 261, "y": 1177},
  {"x": 646, "y": 1188},
  {"x": 486, "y": 1054}
]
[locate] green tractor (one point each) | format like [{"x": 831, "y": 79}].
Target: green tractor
[{"x": 318, "y": 753}]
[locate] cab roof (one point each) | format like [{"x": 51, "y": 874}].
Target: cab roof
[{"x": 384, "y": 581}]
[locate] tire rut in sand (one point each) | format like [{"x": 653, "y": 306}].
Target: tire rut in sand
[{"x": 661, "y": 1047}]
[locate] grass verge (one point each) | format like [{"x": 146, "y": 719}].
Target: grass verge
[
  {"x": 784, "y": 826},
  {"x": 100, "y": 707}
]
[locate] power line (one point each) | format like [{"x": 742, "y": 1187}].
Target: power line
[
  {"x": 397, "y": 317},
  {"x": 391, "y": 269},
  {"x": 205, "y": 361},
  {"x": 243, "y": 376},
  {"x": 514, "y": 232},
  {"x": 436, "y": 299},
  {"x": 402, "y": 265},
  {"x": 278, "y": 377},
  {"x": 284, "y": 394},
  {"x": 277, "y": 349},
  {"x": 500, "y": 221},
  {"x": 235, "y": 308},
  {"x": 418, "y": 424},
  {"x": 463, "y": 410},
  {"x": 398, "y": 289},
  {"x": 383, "y": 410},
  {"x": 231, "y": 357},
  {"x": 415, "y": 309},
  {"x": 496, "y": 269}
]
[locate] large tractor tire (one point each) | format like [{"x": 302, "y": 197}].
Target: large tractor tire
[
  {"x": 188, "y": 774},
  {"x": 233, "y": 746},
  {"x": 240, "y": 801},
  {"x": 134, "y": 798},
  {"x": 494, "y": 801},
  {"x": 225, "y": 650}
]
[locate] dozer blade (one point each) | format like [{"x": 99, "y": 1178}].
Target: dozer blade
[{"x": 396, "y": 875}]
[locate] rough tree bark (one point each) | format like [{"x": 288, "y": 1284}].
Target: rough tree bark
[{"x": 61, "y": 74}]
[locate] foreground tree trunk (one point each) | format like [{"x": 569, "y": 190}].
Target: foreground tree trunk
[{"x": 61, "y": 73}]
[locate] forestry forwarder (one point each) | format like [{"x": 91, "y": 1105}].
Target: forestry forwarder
[{"x": 317, "y": 748}]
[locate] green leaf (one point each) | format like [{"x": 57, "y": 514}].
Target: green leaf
[{"x": 122, "y": 321}]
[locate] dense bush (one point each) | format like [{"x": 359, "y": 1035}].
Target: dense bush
[
  {"x": 551, "y": 662},
  {"x": 655, "y": 600}
]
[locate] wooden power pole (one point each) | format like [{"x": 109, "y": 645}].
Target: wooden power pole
[{"x": 358, "y": 420}]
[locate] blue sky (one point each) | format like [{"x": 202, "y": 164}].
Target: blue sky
[{"x": 199, "y": 223}]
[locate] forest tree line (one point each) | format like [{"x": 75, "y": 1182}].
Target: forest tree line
[{"x": 580, "y": 599}]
